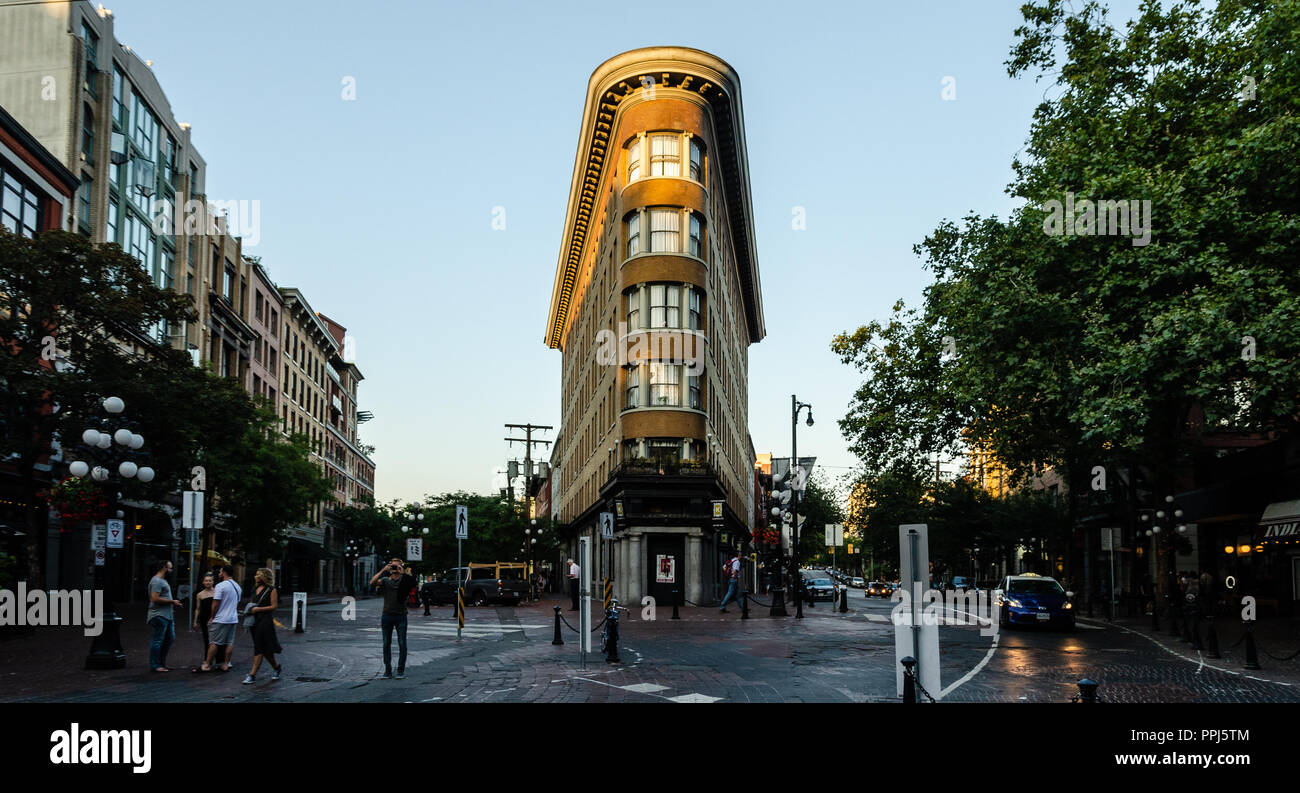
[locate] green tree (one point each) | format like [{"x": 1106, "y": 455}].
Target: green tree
[{"x": 92, "y": 305}]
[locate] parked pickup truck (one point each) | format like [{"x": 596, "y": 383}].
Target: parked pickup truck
[{"x": 498, "y": 582}]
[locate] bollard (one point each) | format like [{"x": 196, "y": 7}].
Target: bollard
[
  {"x": 844, "y": 600},
  {"x": 677, "y": 593},
  {"x": 557, "y": 639},
  {"x": 1252, "y": 658},
  {"x": 744, "y": 605},
  {"x": 1212, "y": 641},
  {"x": 302, "y": 607},
  {"x": 909, "y": 683},
  {"x": 1087, "y": 690}
]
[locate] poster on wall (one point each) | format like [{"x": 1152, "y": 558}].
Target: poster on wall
[{"x": 665, "y": 569}]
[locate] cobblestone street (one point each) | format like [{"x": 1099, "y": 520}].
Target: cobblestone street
[{"x": 506, "y": 655}]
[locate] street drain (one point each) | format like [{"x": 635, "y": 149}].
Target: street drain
[{"x": 312, "y": 679}]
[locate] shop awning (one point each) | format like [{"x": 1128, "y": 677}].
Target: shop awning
[
  {"x": 304, "y": 549},
  {"x": 1280, "y": 522}
]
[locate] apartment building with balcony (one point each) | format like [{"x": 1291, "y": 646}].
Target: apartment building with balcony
[{"x": 656, "y": 300}]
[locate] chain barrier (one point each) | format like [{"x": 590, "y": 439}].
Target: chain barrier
[
  {"x": 917, "y": 682},
  {"x": 1279, "y": 658},
  {"x": 575, "y": 630},
  {"x": 753, "y": 599}
]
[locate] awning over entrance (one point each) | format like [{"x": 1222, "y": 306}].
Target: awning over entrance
[{"x": 1280, "y": 522}]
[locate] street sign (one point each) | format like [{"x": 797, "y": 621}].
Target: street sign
[
  {"x": 99, "y": 537},
  {"x": 834, "y": 535},
  {"x": 717, "y": 509},
  {"x": 414, "y": 549},
  {"x": 192, "y": 509},
  {"x": 99, "y": 557},
  {"x": 192, "y": 538},
  {"x": 462, "y": 522},
  {"x": 607, "y": 525},
  {"x": 116, "y": 532},
  {"x": 1110, "y": 538}
]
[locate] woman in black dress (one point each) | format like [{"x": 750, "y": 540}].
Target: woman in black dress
[
  {"x": 263, "y": 604},
  {"x": 203, "y": 609}
]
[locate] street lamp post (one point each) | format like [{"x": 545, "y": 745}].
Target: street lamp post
[
  {"x": 532, "y": 534},
  {"x": 414, "y": 517},
  {"x": 797, "y": 577},
  {"x": 353, "y": 553},
  {"x": 1166, "y": 521},
  {"x": 113, "y": 450}
]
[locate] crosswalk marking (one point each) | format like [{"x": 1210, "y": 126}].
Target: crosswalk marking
[
  {"x": 694, "y": 698},
  {"x": 644, "y": 688}
]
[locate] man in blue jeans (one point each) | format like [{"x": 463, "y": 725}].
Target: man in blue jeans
[
  {"x": 732, "y": 572},
  {"x": 159, "y": 616},
  {"x": 396, "y": 588}
]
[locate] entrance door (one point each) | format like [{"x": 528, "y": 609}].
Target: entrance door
[{"x": 666, "y": 559}]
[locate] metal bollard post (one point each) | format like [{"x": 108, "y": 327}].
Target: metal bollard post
[
  {"x": 557, "y": 639},
  {"x": 302, "y": 607},
  {"x": 909, "y": 683},
  {"x": 1252, "y": 657},
  {"x": 744, "y": 605},
  {"x": 677, "y": 594},
  {"x": 1087, "y": 690},
  {"x": 844, "y": 600},
  {"x": 1212, "y": 640}
]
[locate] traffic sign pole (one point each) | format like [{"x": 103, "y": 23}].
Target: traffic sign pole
[{"x": 462, "y": 531}]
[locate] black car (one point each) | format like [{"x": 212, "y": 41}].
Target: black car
[{"x": 819, "y": 589}]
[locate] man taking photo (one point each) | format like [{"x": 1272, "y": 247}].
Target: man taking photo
[{"x": 396, "y": 587}]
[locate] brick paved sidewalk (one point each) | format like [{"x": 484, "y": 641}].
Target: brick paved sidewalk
[
  {"x": 1276, "y": 639},
  {"x": 51, "y": 660}
]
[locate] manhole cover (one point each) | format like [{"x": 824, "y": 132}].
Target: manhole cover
[{"x": 312, "y": 679}]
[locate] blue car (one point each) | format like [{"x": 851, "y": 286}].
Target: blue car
[{"x": 1031, "y": 599}]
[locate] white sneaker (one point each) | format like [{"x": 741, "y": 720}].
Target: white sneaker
[
  {"x": 275, "y": 675},
  {"x": 249, "y": 680}
]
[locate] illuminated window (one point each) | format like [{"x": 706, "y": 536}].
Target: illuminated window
[{"x": 665, "y": 155}]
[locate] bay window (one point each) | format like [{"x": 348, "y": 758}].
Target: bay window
[
  {"x": 694, "y": 309},
  {"x": 697, "y": 236},
  {"x": 665, "y": 231},
  {"x": 665, "y": 155},
  {"x": 633, "y": 234},
  {"x": 697, "y": 161},
  {"x": 632, "y": 391},
  {"x": 634, "y": 161},
  {"x": 665, "y": 384}
]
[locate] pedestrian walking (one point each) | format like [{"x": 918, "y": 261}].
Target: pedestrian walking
[
  {"x": 203, "y": 608},
  {"x": 266, "y": 599},
  {"x": 159, "y": 616},
  {"x": 221, "y": 625},
  {"x": 731, "y": 573},
  {"x": 574, "y": 572},
  {"x": 395, "y": 588}
]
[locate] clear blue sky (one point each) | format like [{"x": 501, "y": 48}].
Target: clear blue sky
[{"x": 380, "y": 209}]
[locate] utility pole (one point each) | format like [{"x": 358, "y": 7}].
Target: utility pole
[{"x": 528, "y": 442}]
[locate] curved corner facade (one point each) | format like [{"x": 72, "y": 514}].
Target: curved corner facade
[{"x": 655, "y": 303}]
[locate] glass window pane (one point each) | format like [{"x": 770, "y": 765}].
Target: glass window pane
[{"x": 665, "y": 227}]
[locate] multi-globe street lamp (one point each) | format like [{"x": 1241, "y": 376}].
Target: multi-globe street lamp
[
  {"x": 110, "y": 453},
  {"x": 353, "y": 553},
  {"x": 532, "y": 534},
  {"x": 1166, "y": 521},
  {"x": 414, "y": 516}
]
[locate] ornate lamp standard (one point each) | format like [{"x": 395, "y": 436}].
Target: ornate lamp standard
[
  {"x": 113, "y": 449},
  {"x": 353, "y": 553},
  {"x": 532, "y": 534},
  {"x": 414, "y": 517},
  {"x": 1166, "y": 521}
]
